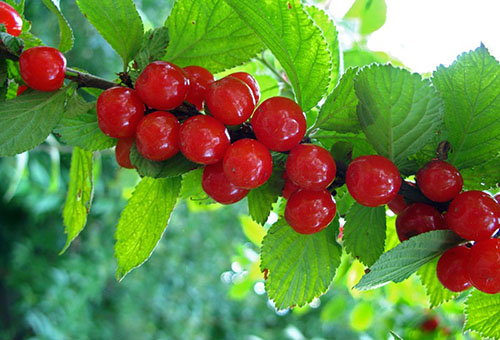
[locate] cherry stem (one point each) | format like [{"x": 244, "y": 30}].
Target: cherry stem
[
  {"x": 88, "y": 80},
  {"x": 412, "y": 194}
]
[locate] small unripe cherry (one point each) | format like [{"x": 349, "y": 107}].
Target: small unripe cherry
[
  {"x": 42, "y": 68},
  {"x": 157, "y": 136}
]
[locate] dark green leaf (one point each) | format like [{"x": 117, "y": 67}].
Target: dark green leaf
[
  {"x": 435, "y": 291},
  {"x": 298, "y": 44},
  {"x": 371, "y": 13},
  {"x": 14, "y": 44},
  {"x": 172, "y": 167},
  {"x": 118, "y": 22},
  {"x": 143, "y": 221},
  {"x": 470, "y": 88},
  {"x": 65, "y": 33},
  {"x": 30, "y": 40},
  {"x": 153, "y": 47},
  {"x": 364, "y": 233},
  {"x": 299, "y": 267},
  {"x": 482, "y": 312},
  {"x": 338, "y": 113},
  {"x": 398, "y": 111},
  {"x": 210, "y": 34},
  {"x": 261, "y": 199},
  {"x": 400, "y": 262},
  {"x": 27, "y": 120},
  {"x": 80, "y": 193}
]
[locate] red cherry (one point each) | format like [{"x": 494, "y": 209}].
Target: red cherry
[
  {"x": 11, "y": 19},
  {"x": 203, "y": 139},
  {"x": 418, "y": 218},
  {"x": 473, "y": 215},
  {"x": 398, "y": 203},
  {"x": 42, "y": 68},
  {"x": 430, "y": 324},
  {"x": 122, "y": 152},
  {"x": 309, "y": 211},
  {"x": 310, "y": 167},
  {"x": 217, "y": 186},
  {"x": 279, "y": 123},
  {"x": 439, "y": 181},
  {"x": 483, "y": 265},
  {"x": 289, "y": 187},
  {"x": 451, "y": 269},
  {"x": 250, "y": 81},
  {"x": 162, "y": 85},
  {"x": 247, "y": 163},
  {"x": 497, "y": 198},
  {"x": 372, "y": 180},
  {"x": 119, "y": 111},
  {"x": 21, "y": 89},
  {"x": 199, "y": 79},
  {"x": 230, "y": 100},
  {"x": 157, "y": 136}
]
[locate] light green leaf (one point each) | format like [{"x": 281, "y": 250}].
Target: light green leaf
[
  {"x": 118, "y": 22},
  {"x": 470, "y": 88},
  {"x": 209, "y": 33},
  {"x": 329, "y": 30},
  {"x": 252, "y": 230},
  {"x": 153, "y": 47},
  {"x": 143, "y": 221},
  {"x": 172, "y": 167},
  {"x": 66, "y": 37},
  {"x": 371, "y": 13},
  {"x": 80, "y": 193},
  {"x": 261, "y": 199},
  {"x": 18, "y": 6},
  {"x": 364, "y": 233},
  {"x": 482, "y": 312},
  {"x": 398, "y": 111},
  {"x": 299, "y": 267},
  {"x": 435, "y": 291},
  {"x": 400, "y": 262},
  {"x": 296, "y": 42},
  {"x": 483, "y": 176},
  {"x": 338, "y": 113},
  {"x": 27, "y": 120}
]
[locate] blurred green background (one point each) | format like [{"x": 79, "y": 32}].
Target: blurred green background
[{"x": 202, "y": 282}]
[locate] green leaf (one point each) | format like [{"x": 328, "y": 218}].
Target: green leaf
[
  {"x": 143, "y": 221},
  {"x": 296, "y": 42},
  {"x": 483, "y": 176},
  {"x": 153, "y": 47},
  {"x": 83, "y": 131},
  {"x": 118, "y": 22},
  {"x": 261, "y": 199},
  {"x": 400, "y": 262},
  {"x": 329, "y": 30},
  {"x": 66, "y": 37},
  {"x": 252, "y": 230},
  {"x": 482, "y": 312},
  {"x": 435, "y": 291},
  {"x": 13, "y": 44},
  {"x": 371, "y": 13},
  {"x": 80, "y": 193},
  {"x": 19, "y": 7},
  {"x": 398, "y": 111},
  {"x": 30, "y": 40},
  {"x": 338, "y": 113},
  {"x": 364, "y": 233},
  {"x": 470, "y": 88},
  {"x": 27, "y": 120},
  {"x": 172, "y": 167},
  {"x": 210, "y": 34},
  {"x": 299, "y": 267}
]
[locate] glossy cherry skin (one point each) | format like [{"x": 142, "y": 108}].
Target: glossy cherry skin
[
  {"x": 289, "y": 187},
  {"x": 279, "y": 123},
  {"x": 119, "y": 111},
  {"x": 11, "y": 19},
  {"x": 199, "y": 79},
  {"x": 42, "y": 68},
  {"x": 439, "y": 181},
  {"x": 418, "y": 218},
  {"x": 157, "y": 136},
  {"x": 162, "y": 85},
  {"x": 430, "y": 324},
  {"x": 451, "y": 269},
  {"x": 484, "y": 265},
  {"x": 372, "y": 180},
  {"x": 473, "y": 215},
  {"x": 247, "y": 163},
  {"x": 310, "y": 211},
  {"x": 21, "y": 89},
  {"x": 230, "y": 100},
  {"x": 250, "y": 81},
  {"x": 217, "y": 186},
  {"x": 203, "y": 139},
  {"x": 122, "y": 152},
  {"x": 497, "y": 198},
  {"x": 397, "y": 204},
  {"x": 310, "y": 167}
]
